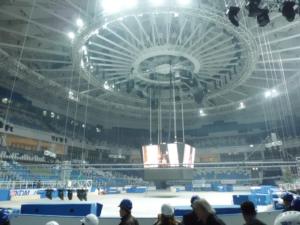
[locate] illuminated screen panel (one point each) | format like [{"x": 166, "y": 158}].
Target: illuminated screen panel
[
  {"x": 173, "y": 155},
  {"x": 189, "y": 156},
  {"x": 151, "y": 156}
]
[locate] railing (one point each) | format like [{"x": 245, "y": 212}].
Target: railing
[{"x": 45, "y": 184}]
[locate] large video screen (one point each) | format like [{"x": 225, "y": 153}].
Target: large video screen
[
  {"x": 151, "y": 156},
  {"x": 189, "y": 156},
  {"x": 168, "y": 155}
]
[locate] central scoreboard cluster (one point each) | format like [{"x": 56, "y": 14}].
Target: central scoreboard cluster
[{"x": 171, "y": 161}]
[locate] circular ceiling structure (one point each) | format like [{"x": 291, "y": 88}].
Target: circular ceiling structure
[
  {"x": 121, "y": 63},
  {"x": 142, "y": 55}
]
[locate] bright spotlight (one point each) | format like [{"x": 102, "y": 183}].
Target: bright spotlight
[
  {"x": 112, "y": 6},
  {"x": 183, "y": 2},
  {"x": 79, "y": 23},
  {"x": 71, "y": 35},
  {"x": 130, "y": 4},
  {"x": 242, "y": 106},
  {"x": 106, "y": 85},
  {"x": 271, "y": 93},
  {"x": 156, "y": 2},
  {"x": 202, "y": 113},
  {"x": 115, "y": 6}
]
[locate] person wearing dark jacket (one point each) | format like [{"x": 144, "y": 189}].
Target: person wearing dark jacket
[
  {"x": 125, "y": 213},
  {"x": 249, "y": 214},
  {"x": 287, "y": 202},
  {"x": 206, "y": 214},
  {"x": 191, "y": 218}
]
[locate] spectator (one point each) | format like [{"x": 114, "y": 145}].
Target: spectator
[
  {"x": 52, "y": 223},
  {"x": 125, "y": 213},
  {"x": 249, "y": 214},
  {"x": 296, "y": 204},
  {"x": 287, "y": 202},
  {"x": 290, "y": 218},
  {"x": 4, "y": 217},
  {"x": 90, "y": 219},
  {"x": 167, "y": 216},
  {"x": 206, "y": 213},
  {"x": 191, "y": 218}
]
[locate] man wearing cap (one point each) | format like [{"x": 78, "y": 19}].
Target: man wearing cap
[
  {"x": 4, "y": 217},
  {"x": 249, "y": 214},
  {"x": 125, "y": 213},
  {"x": 90, "y": 219},
  {"x": 191, "y": 218},
  {"x": 287, "y": 202}
]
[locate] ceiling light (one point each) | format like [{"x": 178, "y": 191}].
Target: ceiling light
[
  {"x": 232, "y": 14},
  {"x": 79, "y": 23},
  {"x": 271, "y": 93},
  {"x": 156, "y": 2},
  {"x": 71, "y": 35},
  {"x": 4, "y": 100},
  {"x": 288, "y": 10},
  {"x": 115, "y": 6},
  {"x": 183, "y": 2},
  {"x": 202, "y": 113},
  {"x": 129, "y": 4},
  {"x": 251, "y": 146},
  {"x": 111, "y": 6},
  {"x": 106, "y": 85},
  {"x": 241, "y": 106}
]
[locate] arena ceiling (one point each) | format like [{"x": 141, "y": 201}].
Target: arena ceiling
[{"x": 127, "y": 61}]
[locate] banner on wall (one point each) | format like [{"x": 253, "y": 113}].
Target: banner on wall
[{"x": 23, "y": 192}]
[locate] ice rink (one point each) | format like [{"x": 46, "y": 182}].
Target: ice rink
[{"x": 145, "y": 204}]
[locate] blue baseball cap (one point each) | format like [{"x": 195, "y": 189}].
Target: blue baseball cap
[
  {"x": 288, "y": 197},
  {"x": 194, "y": 198},
  {"x": 126, "y": 204}
]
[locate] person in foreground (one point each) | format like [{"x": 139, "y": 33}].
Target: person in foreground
[
  {"x": 4, "y": 217},
  {"x": 205, "y": 213},
  {"x": 288, "y": 218},
  {"x": 90, "y": 219},
  {"x": 167, "y": 216},
  {"x": 191, "y": 218},
  {"x": 249, "y": 214},
  {"x": 125, "y": 213},
  {"x": 287, "y": 202}
]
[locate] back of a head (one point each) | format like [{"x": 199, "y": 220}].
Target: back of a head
[
  {"x": 290, "y": 218},
  {"x": 52, "y": 223},
  {"x": 126, "y": 204},
  {"x": 90, "y": 219},
  {"x": 194, "y": 198},
  {"x": 202, "y": 203},
  {"x": 248, "y": 208},
  {"x": 288, "y": 197},
  {"x": 167, "y": 210}
]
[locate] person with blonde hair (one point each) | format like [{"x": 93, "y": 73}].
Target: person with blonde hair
[
  {"x": 166, "y": 217},
  {"x": 205, "y": 213}
]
